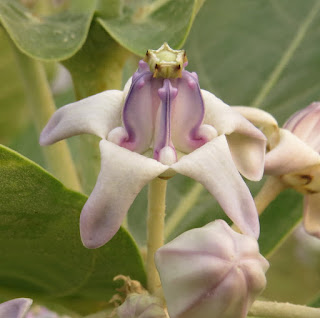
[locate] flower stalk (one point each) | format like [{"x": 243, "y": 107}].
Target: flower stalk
[
  {"x": 282, "y": 310},
  {"x": 40, "y": 101},
  {"x": 184, "y": 206},
  {"x": 269, "y": 191},
  {"x": 155, "y": 228}
]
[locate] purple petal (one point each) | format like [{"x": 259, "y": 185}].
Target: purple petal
[
  {"x": 15, "y": 308},
  {"x": 162, "y": 138},
  {"x": 213, "y": 167},
  {"x": 188, "y": 114},
  {"x": 123, "y": 174},
  {"x": 96, "y": 115},
  {"x": 140, "y": 110}
]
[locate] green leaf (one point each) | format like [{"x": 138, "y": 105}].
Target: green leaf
[
  {"x": 261, "y": 53},
  {"x": 41, "y": 252},
  {"x": 141, "y": 25},
  {"x": 279, "y": 219},
  {"x": 13, "y": 109},
  {"x": 316, "y": 302},
  {"x": 54, "y": 37}
]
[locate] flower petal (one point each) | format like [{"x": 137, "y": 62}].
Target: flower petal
[
  {"x": 290, "y": 154},
  {"x": 162, "y": 136},
  {"x": 96, "y": 115},
  {"x": 190, "y": 267},
  {"x": 262, "y": 120},
  {"x": 140, "y": 109},
  {"x": 213, "y": 167},
  {"x": 123, "y": 174},
  {"x": 247, "y": 143},
  {"x": 211, "y": 272},
  {"x": 306, "y": 125},
  {"x": 15, "y": 308},
  {"x": 188, "y": 114},
  {"x": 229, "y": 299},
  {"x": 311, "y": 217}
]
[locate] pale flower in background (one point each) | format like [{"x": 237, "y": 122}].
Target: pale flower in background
[
  {"x": 15, "y": 308},
  {"x": 42, "y": 312},
  {"x": 141, "y": 306},
  {"x": 211, "y": 272},
  {"x": 160, "y": 125},
  {"x": 293, "y": 155}
]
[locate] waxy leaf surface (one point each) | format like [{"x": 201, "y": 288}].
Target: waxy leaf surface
[
  {"x": 154, "y": 22},
  {"x": 42, "y": 256},
  {"x": 54, "y": 37}
]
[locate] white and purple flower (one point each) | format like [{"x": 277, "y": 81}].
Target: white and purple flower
[
  {"x": 211, "y": 272},
  {"x": 162, "y": 124},
  {"x": 293, "y": 154}
]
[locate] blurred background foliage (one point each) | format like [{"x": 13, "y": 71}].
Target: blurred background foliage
[{"x": 264, "y": 54}]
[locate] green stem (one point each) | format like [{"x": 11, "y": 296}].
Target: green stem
[
  {"x": 184, "y": 206},
  {"x": 155, "y": 233},
  {"x": 40, "y": 101},
  {"x": 269, "y": 191},
  {"x": 282, "y": 310}
]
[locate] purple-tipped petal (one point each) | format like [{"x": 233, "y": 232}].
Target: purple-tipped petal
[
  {"x": 96, "y": 115},
  {"x": 123, "y": 174},
  {"x": 306, "y": 125},
  {"x": 213, "y": 167},
  {"x": 291, "y": 154},
  {"x": 140, "y": 111},
  {"x": 162, "y": 137},
  {"x": 247, "y": 143},
  {"x": 15, "y": 308},
  {"x": 311, "y": 217},
  {"x": 188, "y": 114}
]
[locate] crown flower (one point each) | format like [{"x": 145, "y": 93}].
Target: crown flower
[
  {"x": 161, "y": 124},
  {"x": 211, "y": 272},
  {"x": 293, "y": 155}
]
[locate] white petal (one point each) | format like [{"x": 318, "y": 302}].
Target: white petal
[
  {"x": 123, "y": 174},
  {"x": 229, "y": 299},
  {"x": 187, "y": 273},
  {"x": 260, "y": 118},
  {"x": 247, "y": 143},
  {"x": 213, "y": 167},
  {"x": 290, "y": 154},
  {"x": 311, "y": 217},
  {"x": 15, "y": 308},
  {"x": 96, "y": 115},
  {"x": 204, "y": 272},
  {"x": 248, "y": 154}
]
